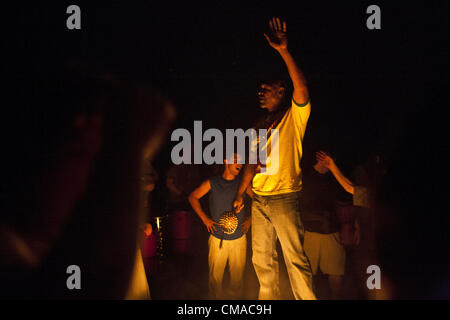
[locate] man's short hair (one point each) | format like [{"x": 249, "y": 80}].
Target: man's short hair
[{"x": 276, "y": 83}]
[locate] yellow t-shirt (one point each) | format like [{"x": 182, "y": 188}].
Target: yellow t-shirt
[{"x": 283, "y": 172}]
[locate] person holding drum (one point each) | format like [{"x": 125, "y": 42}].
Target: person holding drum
[{"x": 228, "y": 240}]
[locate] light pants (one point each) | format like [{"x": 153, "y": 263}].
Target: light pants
[
  {"x": 324, "y": 251},
  {"x": 233, "y": 251},
  {"x": 278, "y": 216},
  {"x": 138, "y": 288}
]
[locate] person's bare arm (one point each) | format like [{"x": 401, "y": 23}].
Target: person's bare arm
[
  {"x": 329, "y": 163},
  {"x": 247, "y": 177},
  {"x": 248, "y": 221},
  {"x": 278, "y": 40},
  {"x": 343, "y": 180},
  {"x": 249, "y": 191},
  {"x": 194, "y": 198}
]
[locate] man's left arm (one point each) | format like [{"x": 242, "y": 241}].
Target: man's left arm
[
  {"x": 278, "y": 41},
  {"x": 328, "y": 162},
  {"x": 248, "y": 220}
]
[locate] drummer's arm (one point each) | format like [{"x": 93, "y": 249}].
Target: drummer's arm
[
  {"x": 249, "y": 191},
  {"x": 248, "y": 220}
]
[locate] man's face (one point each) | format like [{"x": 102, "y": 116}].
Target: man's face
[
  {"x": 270, "y": 96},
  {"x": 233, "y": 165}
]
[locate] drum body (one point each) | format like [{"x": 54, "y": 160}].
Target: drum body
[
  {"x": 149, "y": 245},
  {"x": 182, "y": 225},
  {"x": 153, "y": 244}
]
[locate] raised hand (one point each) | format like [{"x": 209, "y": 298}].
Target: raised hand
[
  {"x": 148, "y": 229},
  {"x": 277, "y": 38},
  {"x": 324, "y": 158}
]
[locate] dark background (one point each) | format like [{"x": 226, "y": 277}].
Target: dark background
[
  {"x": 372, "y": 91},
  {"x": 369, "y": 88}
]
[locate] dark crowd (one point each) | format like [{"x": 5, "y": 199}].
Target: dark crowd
[{"x": 88, "y": 179}]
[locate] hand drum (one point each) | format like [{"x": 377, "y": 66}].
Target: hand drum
[{"x": 229, "y": 222}]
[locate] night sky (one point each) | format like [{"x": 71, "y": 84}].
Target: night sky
[
  {"x": 366, "y": 85},
  {"x": 372, "y": 91}
]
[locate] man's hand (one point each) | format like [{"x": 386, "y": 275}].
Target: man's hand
[
  {"x": 277, "y": 38},
  {"x": 324, "y": 159},
  {"x": 238, "y": 203},
  {"x": 246, "y": 225},
  {"x": 148, "y": 229},
  {"x": 209, "y": 224},
  {"x": 149, "y": 187}
]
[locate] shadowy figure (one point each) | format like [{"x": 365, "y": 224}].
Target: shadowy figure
[
  {"x": 363, "y": 254},
  {"x": 181, "y": 180},
  {"x": 73, "y": 190},
  {"x": 322, "y": 241}
]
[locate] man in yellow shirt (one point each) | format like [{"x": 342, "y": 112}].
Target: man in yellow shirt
[{"x": 275, "y": 212}]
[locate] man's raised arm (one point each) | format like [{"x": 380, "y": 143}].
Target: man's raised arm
[
  {"x": 278, "y": 41},
  {"x": 328, "y": 162}
]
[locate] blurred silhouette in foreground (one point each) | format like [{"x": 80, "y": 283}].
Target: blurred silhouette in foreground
[{"x": 76, "y": 140}]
